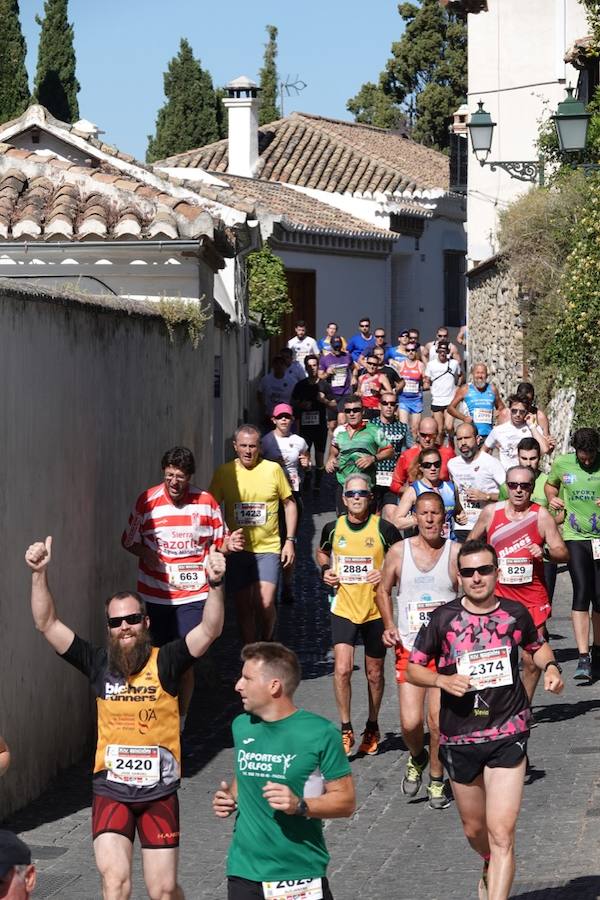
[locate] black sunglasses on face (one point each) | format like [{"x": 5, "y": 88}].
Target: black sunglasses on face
[
  {"x": 131, "y": 619},
  {"x": 350, "y": 410},
  {"x": 515, "y": 485},
  {"x": 355, "y": 494},
  {"x": 388, "y": 402},
  {"x": 431, "y": 465},
  {"x": 469, "y": 571}
]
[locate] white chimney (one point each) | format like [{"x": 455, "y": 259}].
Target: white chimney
[{"x": 242, "y": 103}]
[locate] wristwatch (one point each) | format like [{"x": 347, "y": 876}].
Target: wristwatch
[
  {"x": 292, "y": 539},
  {"x": 301, "y": 809},
  {"x": 553, "y": 663}
]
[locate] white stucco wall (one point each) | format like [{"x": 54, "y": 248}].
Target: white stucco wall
[
  {"x": 516, "y": 66},
  {"x": 91, "y": 399},
  {"x": 347, "y": 287}
]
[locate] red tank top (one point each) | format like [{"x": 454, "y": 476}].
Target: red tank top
[
  {"x": 370, "y": 386},
  {"x": 521, "y": 576}
]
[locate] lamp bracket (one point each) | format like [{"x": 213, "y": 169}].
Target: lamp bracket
[{"x": 530, "y": 170}]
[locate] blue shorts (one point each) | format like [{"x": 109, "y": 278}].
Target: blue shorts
[
  {"x": 245, "y": 568},
  {"x": 172, "y": 621},
  {"x": 411, "y": 403}
]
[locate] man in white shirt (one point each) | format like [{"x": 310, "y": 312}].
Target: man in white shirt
[
  {"x": 274, "y": 388},
  {"x": 506, "y": 436},
  {"x": 302, "y": 345},
  {"x": 476, "y": 474},
  {"x": 444, "y": 374},
  {"x": 430, "y": 348}
]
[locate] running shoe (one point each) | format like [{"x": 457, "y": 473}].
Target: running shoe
[
  {"x": 438, "y": 798},
  {"x": 411, "y": 783},
  {"x": 583, "y": 672},
  {"x": 348, "y": 742},
  {"x": 483, "y": 883},
  {"x": 370, "y": 742}
]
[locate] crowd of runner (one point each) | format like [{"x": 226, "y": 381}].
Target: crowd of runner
[{"x": 444, "y": 549}]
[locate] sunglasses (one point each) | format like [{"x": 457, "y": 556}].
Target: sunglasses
[
  {"x": 469, "y": 571},
  {"x": 131, "y": 619},
  {"x": 380, "y": 335},
  {"x": 283, "y": 416},
  {"x": 350, "y": 410},
  {"x": 388, "y": 402},
  {"x": 518, "y": 412},
  {"x": 355, "y": 494},
  {"x": 523, "y": 485},
  {"x": 431, "y": 465},
  {"x": 426, "y": 434}
]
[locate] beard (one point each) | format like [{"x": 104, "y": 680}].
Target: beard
[{"x": 126, "y": 660}]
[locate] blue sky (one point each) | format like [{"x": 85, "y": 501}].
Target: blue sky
[{"x": 123, "y": 47}]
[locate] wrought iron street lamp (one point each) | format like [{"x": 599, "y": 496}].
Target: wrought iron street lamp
[
  {"x": 571, "y": 122},
  {"x": 481, "y": 129}
]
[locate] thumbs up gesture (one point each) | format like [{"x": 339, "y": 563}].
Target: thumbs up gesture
[
  {"x": 38, "y": 555},
  {"x": 215, "y": 566}
]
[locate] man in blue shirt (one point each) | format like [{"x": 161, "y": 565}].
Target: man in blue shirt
[{"x": 361, "y": 343}]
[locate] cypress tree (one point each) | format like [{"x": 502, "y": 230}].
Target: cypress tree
[
  {"x": 269, "y": 81},
  {"x": 56, "y": 86},
  {"x": 14, "y": 87},
  {"x": 188, "y": 119}
]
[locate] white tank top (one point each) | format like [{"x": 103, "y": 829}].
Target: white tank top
[{"x": 421, "y": 592}]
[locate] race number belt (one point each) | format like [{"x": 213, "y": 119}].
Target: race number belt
[
  {"x": 186, "y": 576},
  {"x": 339, "y": 376},
  {"x": 250, "y": 513},
  {"x": 486, "y": 668},
  {"x": 515, "y": 571},
  {"x": 354, "y": 569},
  {"x": 301, "y": 889},
  {"x": 310, "y": 418},
  {"x": 411, "y": 387},
  {"x": 419, "y": 612},
  {"x": 383, "y": 479},
  {"x": 482, "y": 416},
  {"x": 132, "y": 765},
  {"x": 596, "y": 548}
]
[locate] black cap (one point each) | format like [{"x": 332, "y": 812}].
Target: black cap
[{"x": 13, "y": 852}]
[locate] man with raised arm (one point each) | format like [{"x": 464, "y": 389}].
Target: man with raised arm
[{"x": 137, "y": 767}]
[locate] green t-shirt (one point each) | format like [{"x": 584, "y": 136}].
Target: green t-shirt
[
  {"x": 538, "y": 495},
  {"x": 367, "y": 440},
  {"x": 267, "y": 844},
  {"x": 581, "y": 489}
]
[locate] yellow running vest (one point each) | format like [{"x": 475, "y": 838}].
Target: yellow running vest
[
  {"x": 138, "y": 713},
  {"x": 356, "y": 551}
]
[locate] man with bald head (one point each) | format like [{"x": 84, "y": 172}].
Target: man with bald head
[
  {"x": 251, "y": 489},
  {"x": 476, "y": 474},
  {"x": 480, "y": 397},
  {"x": 426, "y": 440}
]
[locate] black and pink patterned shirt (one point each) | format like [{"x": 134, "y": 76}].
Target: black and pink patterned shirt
[{"x": 491, "y": 713}]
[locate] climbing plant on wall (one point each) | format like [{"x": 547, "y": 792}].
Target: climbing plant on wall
[{"x": 267, "y": 289}]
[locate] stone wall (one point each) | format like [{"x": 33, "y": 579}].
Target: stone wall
[
  {"x": 495, "y": 331},
  {"x": 93, "y": 393}
]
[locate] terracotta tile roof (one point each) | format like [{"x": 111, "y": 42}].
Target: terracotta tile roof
[
  {"x": 331, "y": 155},
  {"x": 46, "y": 198},
  {"x": 294, "y": 209}
]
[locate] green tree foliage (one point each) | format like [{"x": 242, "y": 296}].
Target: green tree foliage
[
  {"x": 56, "y": 86},
  {"x": 267, "y": 289},
  {"x": 372, "y": 106},
  {"x": 220, "y": 112},
  {"x": 426, "y": 74},
  {"x": 188, "y": 119},
  {"x": 14, "y": 87},
  {"x": 550, "y": 242},
  {"x": 269, "y": 81}
]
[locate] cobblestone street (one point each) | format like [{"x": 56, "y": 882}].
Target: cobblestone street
[{"x": 390, "y": 848}]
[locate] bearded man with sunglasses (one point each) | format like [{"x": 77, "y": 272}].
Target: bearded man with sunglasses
[
  {"x": 351, "y": 554},
  {"x": 137, "y": 766},
  {"x": 518, "y": 530},
  {"x": 474, "y": 642}
]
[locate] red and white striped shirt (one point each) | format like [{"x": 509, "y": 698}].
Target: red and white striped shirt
[{"x": 181, "y": 537}]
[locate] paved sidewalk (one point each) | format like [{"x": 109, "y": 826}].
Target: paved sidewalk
[{"x": 391, "y": 847}]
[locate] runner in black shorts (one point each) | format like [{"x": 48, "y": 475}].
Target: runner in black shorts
[
  {"x": 485, "y": 714},
  {"x": 311, "y": 399},
  {"x": 358, "y": 542},
  {"x": 137, "y": 765}
]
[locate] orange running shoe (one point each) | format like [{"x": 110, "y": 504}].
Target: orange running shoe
[{"x": 370, "y": 742}]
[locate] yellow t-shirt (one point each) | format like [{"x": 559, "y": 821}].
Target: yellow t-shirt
[
  {"x": 355, "y": 551},
  {"x": 251, "y": 498}
]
